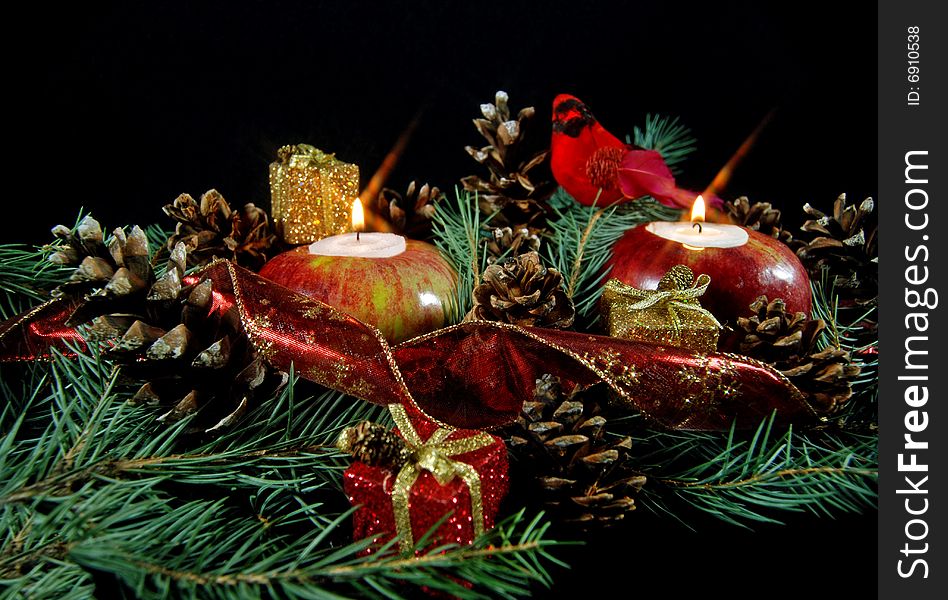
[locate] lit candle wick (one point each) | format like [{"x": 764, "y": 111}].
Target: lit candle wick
[
  {"x": 358, "y": 217},
  {"x": 697, "y": 209},
  {"x": 700, "y": 234}
]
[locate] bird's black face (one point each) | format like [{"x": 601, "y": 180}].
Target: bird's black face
[{"x": 570, "y": 117}]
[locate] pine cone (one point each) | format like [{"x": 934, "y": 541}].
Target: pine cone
[
  {"x": 519, "y": 181},
  {"x": 504, "y": 241},
  {"x": 103, "y": 270},
  {"x": 374, "y": 445},
  {"x": 410, "y": 213},
  {"x": 844, "y": 243},
  {"x": 577, "y": 469},
  {"x": 520, "y": 290},
  {"x": 158, "y": 329},
  {"x": 75, "y": 245},
  {"x": 789, "y": 342},
  {"x": 212, "y": 229},
  {"x": 760, "y": 216}
]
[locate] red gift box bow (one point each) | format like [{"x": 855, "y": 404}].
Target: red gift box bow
[
  {"x": 435, "y": 455},
  {"x": 474, "y": 375}
]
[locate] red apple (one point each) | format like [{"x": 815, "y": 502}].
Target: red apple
[
  {"x": 762, "y": 266},
  {"x": 403, "y": 296}
]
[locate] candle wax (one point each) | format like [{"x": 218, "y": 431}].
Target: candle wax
[
  {"x": 711, "y": 235},
  {"x": 366, "y": 245}
]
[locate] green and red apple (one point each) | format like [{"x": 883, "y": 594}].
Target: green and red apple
[{"x": 403, "y": 296}]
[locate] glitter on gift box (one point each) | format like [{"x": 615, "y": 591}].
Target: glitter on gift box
[
  {"x": 311, "y": 193},
  {"x": 670, "y": 315},
  {"x": 429, "y": 500}
]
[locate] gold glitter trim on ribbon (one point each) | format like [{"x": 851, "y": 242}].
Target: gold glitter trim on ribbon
[
  {"x": 435, "y": 456},
  {"x": 620, "y": 385},
  {"x": 652, "y": 375},
  {"x": 311, "y": 193}
]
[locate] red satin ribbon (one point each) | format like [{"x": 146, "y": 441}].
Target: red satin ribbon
[{"x": 474, "y": 375}]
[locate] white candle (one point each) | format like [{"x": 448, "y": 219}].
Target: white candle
[
  {"x": 359, "y": 245},
  {"x": 697, "y": 235},
  {"x": 711, "y": 235},
  {"x": 368, "y": 245}
]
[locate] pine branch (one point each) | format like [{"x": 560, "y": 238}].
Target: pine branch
[
  {"x": 582, "y": 238},
  {"x": 25, "y": 278},
  {"x": 667, "y": 136},
  {"x": 742, "y": 478},
  {"x": 293, "y": 450},
  {"x": 285, "y": 420},
  {"x": 203, "y": 563},
  {"x": 458, "y": 233},
  {"x": 209, "y": 548},
  {"x": 89, "y": 483}
]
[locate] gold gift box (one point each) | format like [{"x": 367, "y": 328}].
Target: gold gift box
[
  {"x": 670, "y": 315},
  {"x": 312, "y": 194}
]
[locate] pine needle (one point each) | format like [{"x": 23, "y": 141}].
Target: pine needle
[
  {"x": 667, "y": 136},
  {"x": 853, "y": 330},
  {"x": 25, "y": 278},
  {"x": 458, "y": 233},
  {"x": 742, "y": 479},
  {"x": 91, "y": 484},
  {"x": 582, "y": 238}
]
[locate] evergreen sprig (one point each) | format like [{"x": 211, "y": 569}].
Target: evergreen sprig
[
  {"x": 92, "y": 484},
  {"x": 200, "y": 562},
  {"x": 741, "y": 478},
  {"x": 667, "y": 136},
  {"x": 458, "y": 232},
  {"x": 25, "y": 278},
  {"x": 158, "y": 244},
  {"x": 582, "y": 239}
]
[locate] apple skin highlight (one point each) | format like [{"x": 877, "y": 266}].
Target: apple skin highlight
[{"x": 403, "y": 296}]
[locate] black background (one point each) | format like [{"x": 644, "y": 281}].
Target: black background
[{"x": 120, "y": 107}]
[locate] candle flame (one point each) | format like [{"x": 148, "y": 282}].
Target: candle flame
[
  {"x": 697, "y": 210},
  {"x": 358, "y": 216}
]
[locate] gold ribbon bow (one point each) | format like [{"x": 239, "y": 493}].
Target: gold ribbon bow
[
  {"x": 435, "y": 456},
  {"x": 673, "y": 300},
  {"x": 304, "y": 155}
]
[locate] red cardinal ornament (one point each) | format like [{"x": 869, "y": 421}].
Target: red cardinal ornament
[
  {"x": 585, "y": 157},
  {"x": 590, "y": 162}
]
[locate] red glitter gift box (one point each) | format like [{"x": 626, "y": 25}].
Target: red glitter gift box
[{"x": 472, "y": 469}]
